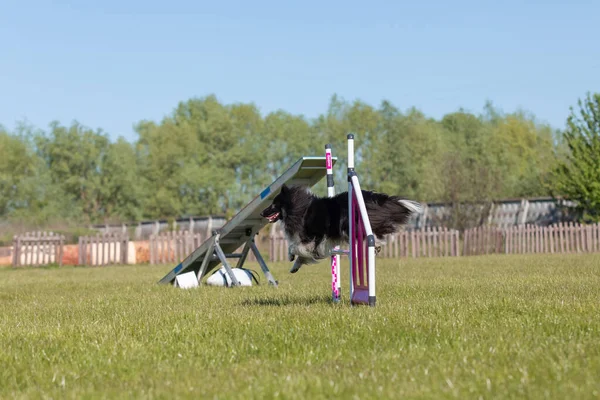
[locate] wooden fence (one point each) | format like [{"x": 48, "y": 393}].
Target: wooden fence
[
  {"x": 43, "y": 248},
  {"x": 483, "y": 240},
  {"x": 429, "y": 242},
  {"x": 559, "y": 238},
  {"x": 174, "y": 247},
  {"x": 107, "y": 249},
  {"x": 38, "y": 248}
]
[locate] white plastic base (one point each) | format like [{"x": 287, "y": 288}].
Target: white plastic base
[{"x": 187, "y": 280}]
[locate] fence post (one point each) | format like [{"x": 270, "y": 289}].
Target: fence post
[
  {"x": 177, "y": 243},
  {"x": 457, "y": 241},
  {"x": 61, "y": 244},
  {"x": 160, "y": 248},
  {"x": 151, "y": 249},
  {"x": 127, "y": 250},
  {"x": 596, "y": 235},
  {"x": 16, "y": 251},
  {"x": 486, "y": 231},
  {"x": 169, "y": 238},
  {"x": 572, "y": 238},
  {"x": 79, "y": 250},
  {"x": 117, "y": 249},
  {"x": 579, "y": 237},
  {"x": 446, "y": 246},
  {"x": 86, "y": 250}
]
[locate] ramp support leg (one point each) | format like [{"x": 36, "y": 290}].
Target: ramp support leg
[
  {"x": 207, "y": 256},
  {"x": 221, "y": 255},
  {"x": 262, "y": 263},
  {"x": 243, "y": 256}
]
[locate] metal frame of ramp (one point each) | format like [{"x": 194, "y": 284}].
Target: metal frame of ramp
[{"x": 242, "y": 228}]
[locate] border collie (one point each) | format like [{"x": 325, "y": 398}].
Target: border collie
[{"x": 315, "y": 225}]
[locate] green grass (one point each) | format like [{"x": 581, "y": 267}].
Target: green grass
[{"x": 476, "y": 327}]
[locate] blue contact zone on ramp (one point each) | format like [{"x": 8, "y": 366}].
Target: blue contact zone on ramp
[
  {"x": 265, "y": 192},
  {"x": 178, "y": 268}
]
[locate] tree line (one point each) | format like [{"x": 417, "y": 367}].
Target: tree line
[{"x": 207, "y": 157}]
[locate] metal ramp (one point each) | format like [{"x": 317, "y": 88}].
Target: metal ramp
[{"x": 241, "y": 229}]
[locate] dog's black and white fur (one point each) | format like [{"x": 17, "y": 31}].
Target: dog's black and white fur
[{"x": 315, "y": 225}]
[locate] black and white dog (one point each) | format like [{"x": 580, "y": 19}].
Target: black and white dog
[{"x": 315, "y": 225}]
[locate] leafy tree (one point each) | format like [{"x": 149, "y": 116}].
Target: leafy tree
[
  {"x": 171, "y": 175},
  {"x": 523, "y": 152},
  {"x": 203, "y": 159},
  {"x": 284, "y": 139},
  {"x": 121, "y": 192},
  {"x": 333, "y": 127},
  {"x": 73, "y": 156},
  {"x": 403, "y": 157},
  {"x": 27, "y": 193},
  {"x": 246, "y": 157},
  {"x": 471, "y": 177},
  {"x": 16, "y": 165},
  {"x": 577, "y": 177},
  {"x": 207, "y": 157}
]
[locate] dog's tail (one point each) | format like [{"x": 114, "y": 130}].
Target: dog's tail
[
  {"x": 413, "y": 206},
  {"x": 388, "y": 213}
]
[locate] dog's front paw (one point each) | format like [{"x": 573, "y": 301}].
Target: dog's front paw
[
  {"x": 291, "y": 255},
  {"x": 297, "y": 265}
]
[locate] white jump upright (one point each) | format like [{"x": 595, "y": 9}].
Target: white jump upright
[{"x": 361, "y": 252}]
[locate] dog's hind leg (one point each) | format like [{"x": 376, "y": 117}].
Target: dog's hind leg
[
  {"x": 379, "y": 243},
  {"x": 300, "y": 261}
]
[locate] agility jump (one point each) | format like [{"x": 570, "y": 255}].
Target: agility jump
[{"x": 361, "y": 252}]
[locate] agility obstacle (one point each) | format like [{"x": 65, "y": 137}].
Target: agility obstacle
[
  {"x": 361, "y": 251},
  {"x": 241, "y": 230}
]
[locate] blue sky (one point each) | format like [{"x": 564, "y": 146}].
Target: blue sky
[{"x": 112, "y": 64}]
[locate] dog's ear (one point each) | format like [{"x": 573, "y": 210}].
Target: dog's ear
[{"x": 284, "y": 189}]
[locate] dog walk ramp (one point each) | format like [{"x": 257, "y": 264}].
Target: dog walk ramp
[{"x": 242, "y": 228}]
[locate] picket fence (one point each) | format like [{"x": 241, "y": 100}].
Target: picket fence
[
  {"x": 38, "y": 248},
  {"x": 106, "y": 249},
  {"x": 558, "y": 238},
  {"x": 428, "y": 242},
  {"x": 173, "y": 247},
  {"x": 43, "y": 248}
]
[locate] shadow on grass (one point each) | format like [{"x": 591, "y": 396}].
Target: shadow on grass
[{"x": 287, "y": 301}]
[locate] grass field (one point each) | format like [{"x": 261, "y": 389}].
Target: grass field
[{"x": 476, "y": 327}]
